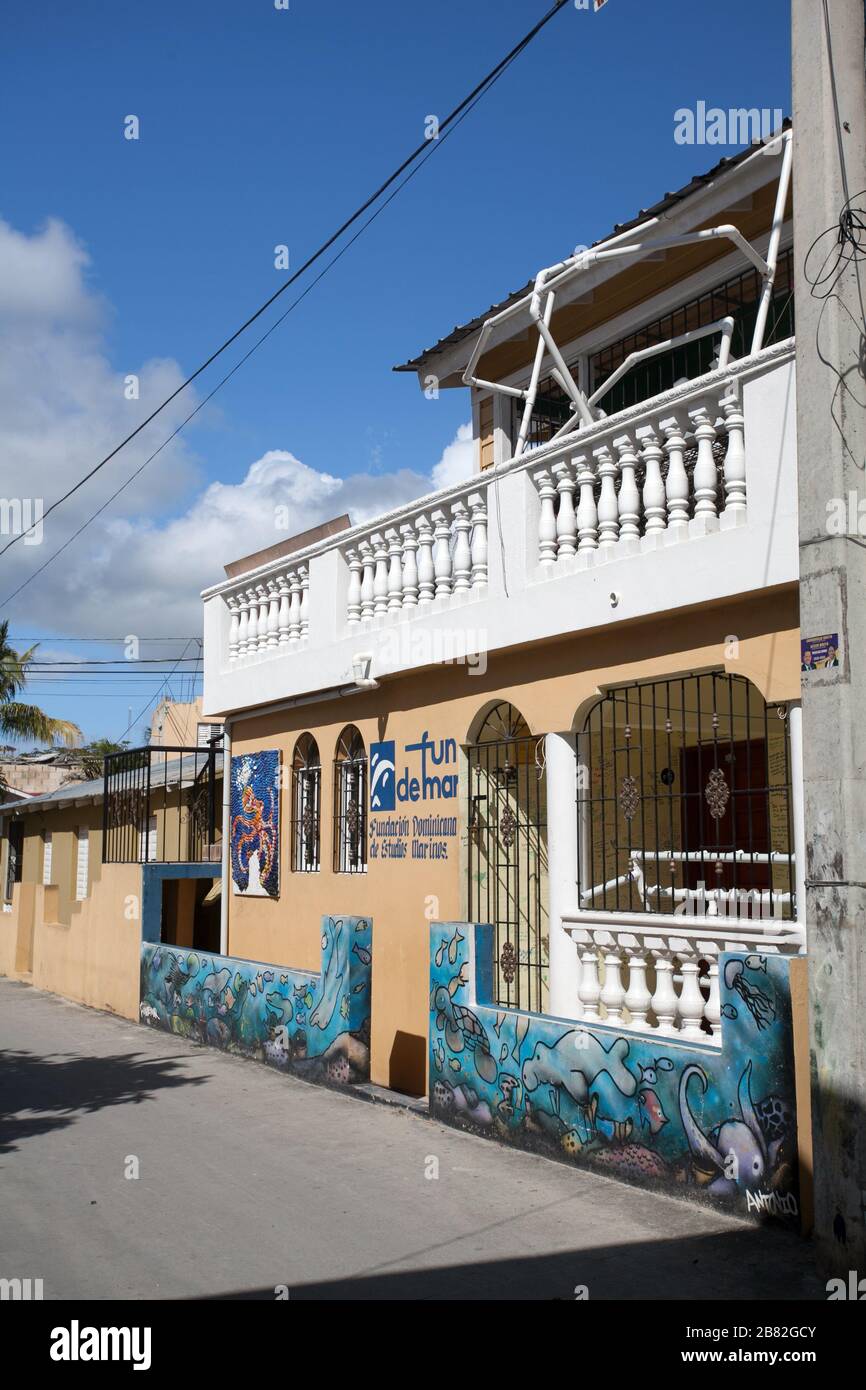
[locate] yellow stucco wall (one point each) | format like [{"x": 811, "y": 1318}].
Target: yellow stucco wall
[
  {"x": 86, "y": 950},
  {"x": 552, "y": 686}
]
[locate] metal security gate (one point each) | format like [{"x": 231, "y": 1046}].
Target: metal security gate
[
  {"x": 686, "y": 800},
  {"x": 507, "y": 858}
]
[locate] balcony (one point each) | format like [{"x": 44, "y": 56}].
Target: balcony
[{"x": 684, "y": 499}]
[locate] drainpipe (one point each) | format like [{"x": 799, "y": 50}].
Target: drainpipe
[{"x": 226, "y": 862}]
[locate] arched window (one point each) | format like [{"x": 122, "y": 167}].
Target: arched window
[
  {"x": 685, "y": 802},
  {"x": 306, "y": 806},
  {"x": 507, "y": 853},
  {"x": 350, "y": 803}
]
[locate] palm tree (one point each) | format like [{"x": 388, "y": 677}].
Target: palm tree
[{"x": 22, "y": 721}]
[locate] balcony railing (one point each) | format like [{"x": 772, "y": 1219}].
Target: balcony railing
[
  {"x": 660, "y": 972},
  {"x": 162, "y": 805},
  {"x": 711, "y": 455}
]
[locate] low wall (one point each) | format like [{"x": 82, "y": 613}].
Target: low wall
[
  {"x": 713, "y": 1124},
  {"x": 314, "y": 1024}
]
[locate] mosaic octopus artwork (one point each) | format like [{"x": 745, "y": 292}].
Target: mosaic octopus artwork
[
  {"x": 715, "y": 1124},
  {"x": 315, "y": 1025},
  {"x": 255, "y": 822}
]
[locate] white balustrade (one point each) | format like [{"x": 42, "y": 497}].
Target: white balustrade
[
  {"x": 668, "y": 470},
  {"x": 653, "y": 483},
  {"x": 274, "y": 615},
  {"x": 659, "y": 973},
  {"x": 437, "y": 559}
]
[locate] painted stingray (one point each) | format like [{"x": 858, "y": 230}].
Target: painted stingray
[
  {"x": 332, "y": 979},
  {"x": 574, "y": 1062}
]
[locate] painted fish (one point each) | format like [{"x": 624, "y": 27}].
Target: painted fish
[
  {"x": 453, "y": 944},
  {"x": 652, "y": 1116},
  {"x": 362, "y": 953},
  {"x": 728, "y": 1011},
  {"x": 756, "y": 963}
]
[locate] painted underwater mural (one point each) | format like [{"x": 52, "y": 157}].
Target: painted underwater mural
[
  {"x": 714, "y": 1124},
  {"x": 255, "y": 824},
  {"x": 313, "y": 1024}
]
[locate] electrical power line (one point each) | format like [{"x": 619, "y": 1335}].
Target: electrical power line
[{"x": 423, "y": 149}]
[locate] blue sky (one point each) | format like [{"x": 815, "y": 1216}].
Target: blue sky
[{"x": 261, "y": 127}]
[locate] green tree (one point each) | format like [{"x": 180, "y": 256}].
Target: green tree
[
  {"x": 23, "y": 721},
  {"x": 93, "y": 754}
]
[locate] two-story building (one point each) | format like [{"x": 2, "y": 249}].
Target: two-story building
[{"x": 561, "y": 695}]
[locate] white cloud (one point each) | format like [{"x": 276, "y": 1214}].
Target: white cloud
[
  {"x": 458, "y": 460},
  {"x": 141, "y": 566}
]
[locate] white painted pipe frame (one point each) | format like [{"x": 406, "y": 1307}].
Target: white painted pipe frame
[{"x": 553, "y": 277}]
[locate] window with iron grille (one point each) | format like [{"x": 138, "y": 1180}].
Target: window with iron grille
[
  {"x": 684, "y": 800},
  {"x": 738, "y": 297},
  {"x": 350, "y": 804},
  {"x": 306, "y": 800},
  {"x": 507, "y": 854},
  {"x": 14, "y": 856}
]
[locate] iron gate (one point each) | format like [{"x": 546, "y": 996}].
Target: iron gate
[{"x": 507, "y": 856}]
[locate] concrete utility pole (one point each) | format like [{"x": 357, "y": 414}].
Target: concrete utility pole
[{"x": 829, "y": 111}]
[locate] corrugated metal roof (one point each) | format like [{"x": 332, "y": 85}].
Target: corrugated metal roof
[
  {"x": 461, "y": 331},
  {"x": 161, "y": 772}
]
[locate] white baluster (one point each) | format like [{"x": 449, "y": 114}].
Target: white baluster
[
  {"x": 410, "y": 567},
  {"x": 380, "y": 577},
  {"x": 353, "y": 598},
  {"x": 395, "y": 570},
  {"x": 264, "y": 608},
  {"x": 426, "y": 571},
  {"x": 566, "y": 519},
  {"x": 368, "y": 594},
  {"x": 253, "y": 626},
  {"x": 705, "y": 479},
  {"x": 587, "y": 512},
  {"x": 234, "y": 628},
  {"x": 284, "y": 618},
  {"x": 546, "y": 518},
  {"x": 608, "y": 510},
  {"x": 442, "y": 555},
  {"x": 713, "y": 1006},
  {"x": 653, "y": 485},
  {"x": 244, "y": 625},
  {"x": 294, "y": 609},
  {"x": 273, "y": 613},
  {"x": 462, "y": 552},
  {"x": 590, "y": 985},
  {"x": 691, "y": 1001},
  {"x": 677, "y": 485},
  {"x": 305, "y": 601},
  {"x": 478, "y": 546},
  {"x": 629, "y": 497},
  {"x": 613, "y": 993},
  {"x": 664, "y": 1001},
  {"x": 638, "y": 997},
  {"x": 735, "y": 458}
]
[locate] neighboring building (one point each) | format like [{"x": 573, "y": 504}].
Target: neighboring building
[
  {"x": 43, "y": 770},
  {"x": 175, "y": 724},
  {"x": 562, "y": 699}
]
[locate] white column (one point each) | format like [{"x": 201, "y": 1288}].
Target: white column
[
  {"x": 798, "y": 806},
  {"x": 478, "y": 543},
  {"x": 561, "y": 777}
]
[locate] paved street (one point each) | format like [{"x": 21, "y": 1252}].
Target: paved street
[{"x": 249, "y": 1180}]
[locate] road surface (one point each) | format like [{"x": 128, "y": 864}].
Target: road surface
[{"x": 249, "y": 1180}]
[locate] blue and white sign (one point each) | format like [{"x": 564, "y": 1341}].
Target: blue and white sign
[{"x": 382, "y": 776}]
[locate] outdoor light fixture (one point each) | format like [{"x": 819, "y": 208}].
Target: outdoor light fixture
[{"x": 362, "y": 666}]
